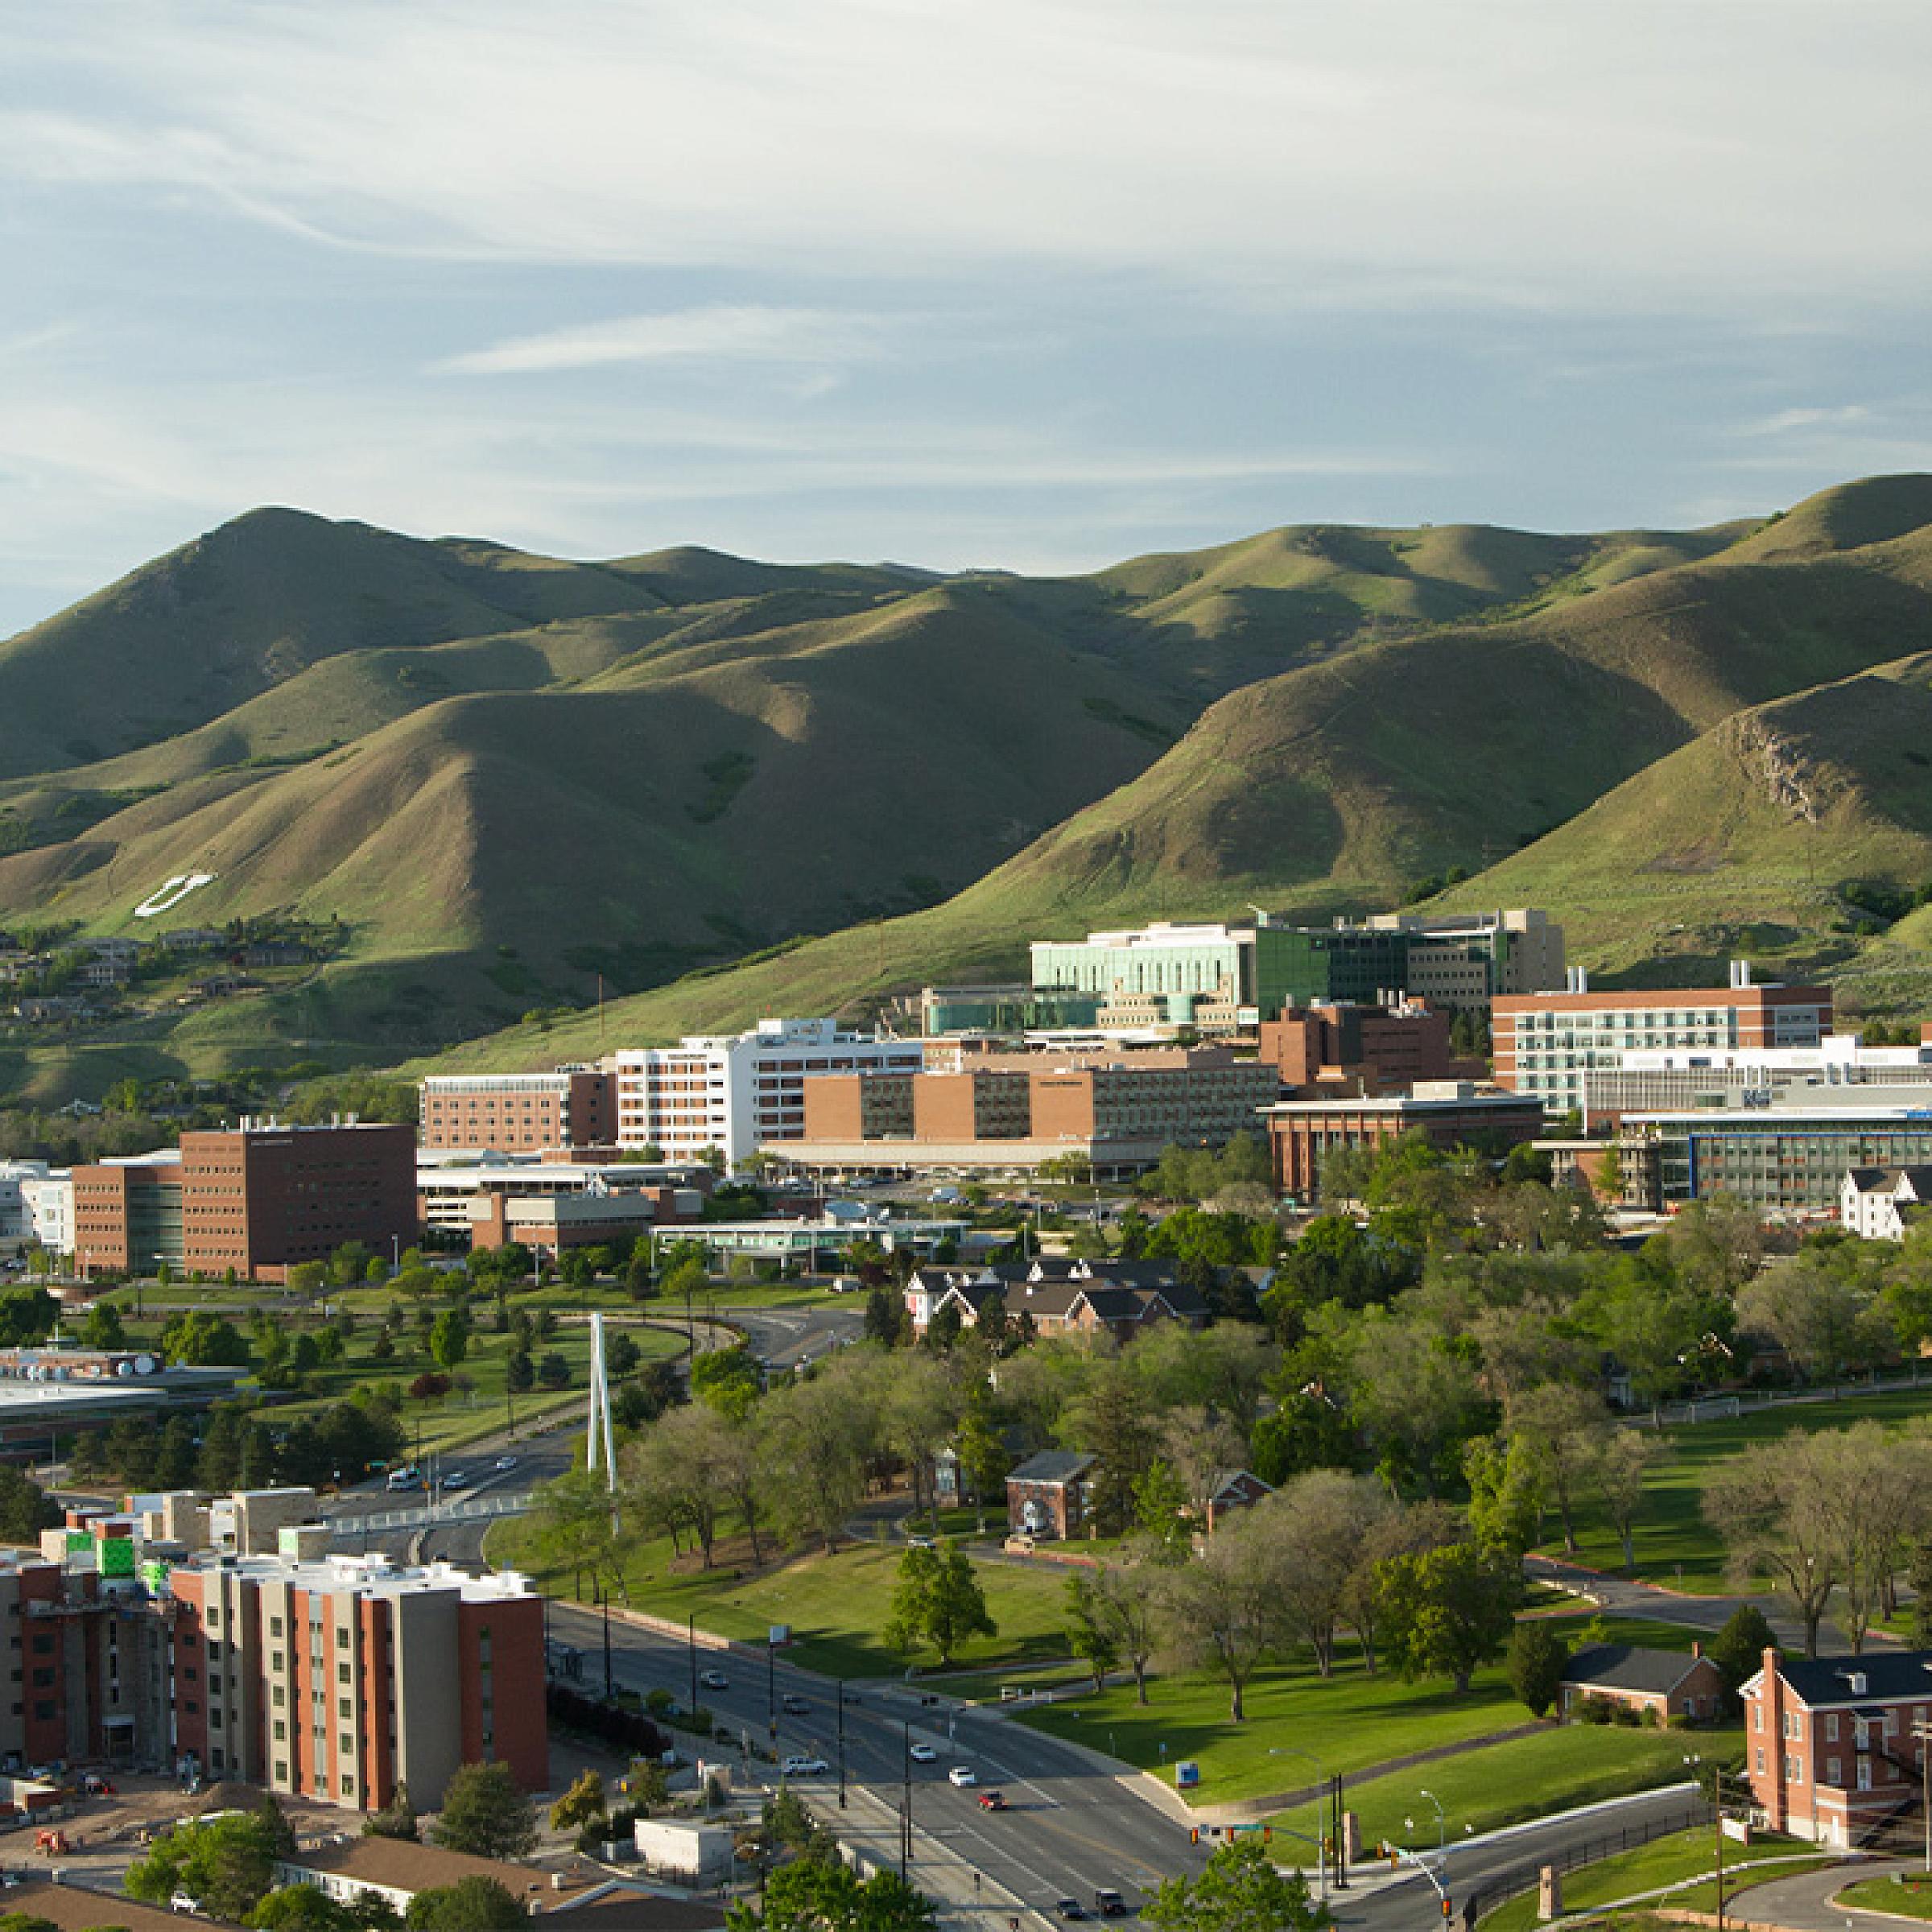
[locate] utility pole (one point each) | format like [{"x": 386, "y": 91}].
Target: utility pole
[
  {"x": 840, "y": 1683},
  {"x": 1922, "y": 1731},
  {"x": 771, "y": 1687},
  {"x": 691, "y": 1640},
  {"x": 1341, "y": 1847},
  {"x": 905, "y": 1805},
  {"x": 603, "y": 1602}
]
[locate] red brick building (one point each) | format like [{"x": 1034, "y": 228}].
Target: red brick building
[
  {"x": 1346, "y": 1048},
  {"x": 1450, "y": 1113},
  {"x": 1047, "y": 1494},
  {"x": 575, "y": 1108},
  {"x": 1656, "y": 1684},
  {"x": 1830, "y": 1752},
  {"x": 258, "y": 1198}
]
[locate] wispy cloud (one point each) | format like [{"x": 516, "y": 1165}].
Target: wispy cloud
[
  {"x": 1785, "y": 422},
  {"x": 718, "y": 333}
]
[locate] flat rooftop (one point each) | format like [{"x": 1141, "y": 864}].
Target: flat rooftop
[{"x": 372, "y": 1575}]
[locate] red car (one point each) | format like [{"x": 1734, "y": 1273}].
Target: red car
[{"x": 993, "y": 1801}]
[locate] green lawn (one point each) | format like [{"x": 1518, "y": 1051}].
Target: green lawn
[
  {"x": 1673, "y": 1545},
  {"x": 1911, "y": 1898},
  {"x": 836, "y": 1605},
  {"x": 1526, "y": 1778},
  {"x": 1664, "y": 1861}
]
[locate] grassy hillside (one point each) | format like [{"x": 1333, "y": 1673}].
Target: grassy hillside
[{"x": 511, "y": 778}]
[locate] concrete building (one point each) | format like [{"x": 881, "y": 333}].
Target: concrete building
[
  {"x": 1221, "y": 978},
  {"x": 810, "y": 1245},
  {"x": 1344, "y": 1048},
  {"x": 1115, "y": 1108},
  {"x": 737, "y": 1092},
  {"x": 49, "y": 1198},
  {"x": 18, "y": 1229},
  {"x": 1789, "y": 1155},
  {"x": 449, "y": 1190},
  {"x": 258, "y": 1198},
  {"x": 338, "y": 1680},
  {"x": 1550, "y": 1043},
  {"x": 1877, "y": 1203},
  {"x": 1659, "y": 1079},
  {"x": 1832, "y": 1754},
  {"x": 573, "y": 1108},
  {"x": 1451, "y": 1113}
]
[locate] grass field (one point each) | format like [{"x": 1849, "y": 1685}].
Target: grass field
[
  {"x": 1911, "y": 1898},
  {"x": 836, "y": 1605},
  {"x": 1674, "y": 1547},
  {"x": 1664, "y": 1862},
  {"x": 1524, "y": 1777},
  {"x": 1347, "y": 1723}
]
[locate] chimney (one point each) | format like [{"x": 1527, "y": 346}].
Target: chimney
[{"x": 1697, "y": 1646}]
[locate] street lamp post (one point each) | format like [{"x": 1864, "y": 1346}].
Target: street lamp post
[
  {"x": 771, "y": 1686},
  {"x": 691, "y": 1641},
  {"x": 1321, "y": 1841},
  {"x": 840, "y": 1682},
  {"x": 1442, "y": 1847},
  {"x": 905, "y": 1805}
]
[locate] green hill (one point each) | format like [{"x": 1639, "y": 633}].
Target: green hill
[{"x": 515, "y": 780}]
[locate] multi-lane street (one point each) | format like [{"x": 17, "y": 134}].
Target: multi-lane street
[{"x": 1069, "y": 1827}]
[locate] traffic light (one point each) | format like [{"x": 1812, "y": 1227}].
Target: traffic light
[
  {"x": 1447, "y": 1913},
  {"x": 1267, "y": 1835},
  {"x": 1194, "y": 1837}
]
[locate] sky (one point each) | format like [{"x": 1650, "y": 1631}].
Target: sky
[{"x": 1036, "y": 283}]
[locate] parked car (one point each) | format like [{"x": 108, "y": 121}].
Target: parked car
[
  {"x": 922, "y": 1754},
  {"x": 1109, "y": 1904},
  {"x": 963, "y": 1775},
  {"x": 715, "y": 1680},
  {"x": 803, "y": 1767}
]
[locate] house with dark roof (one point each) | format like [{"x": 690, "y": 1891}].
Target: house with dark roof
[
  {"x": 1234, "y": 1489},
  {"x": 1056, "y": 1295},
  {"x": 1880, "y": 1202},
  {"x": 1663, "y": 1684},
  {"x": 1048, "y": 1495},
  {"x": 1831, "y": 1751}
]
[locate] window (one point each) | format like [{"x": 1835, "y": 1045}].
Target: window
[
  {"x": 344, "y": 1707},
  {"x": 1864, "y": 1774},
  {"x": 1831, "y": 1728},
  {"x": 348, "y": 1787},
  {"x": 275, "y": 1628},
  {"x": 1834, "y": 1770},
  {"x": 342, "y": 1673},
  {"x": 1757, "y": 1717},
  {"x": 1760, "y": 1764},
  {"x": 281, "y": 1732},
  {"x": 279, "y": 1695}
]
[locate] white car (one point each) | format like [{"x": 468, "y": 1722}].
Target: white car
[
  {"x": 506, "y": 1462},
  {"x": 963, "y": 1775},
  {"x": 715, "y": 1680},
  {"x": 803, "y": 1767},
  {"x": 922, "y": 1754}
]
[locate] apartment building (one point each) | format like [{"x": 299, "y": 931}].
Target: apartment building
[
  {"x": 338, "y": 1680},
  {"x": 1550, "y": 1043},
  {"x": 1450, "y": 1113},
  {"x": 1119, "y": 1108},
  {"x": 737, "y": 1092},
  {"x": 259, "y": 1199},
  {"x": 1832, "y": 1752}
]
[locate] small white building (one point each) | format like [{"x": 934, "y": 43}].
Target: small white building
[
  {"x": 1876, "y": 1202},
  {"x": 36, "y": 1207}
]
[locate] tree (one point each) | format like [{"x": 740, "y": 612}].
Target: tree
[
  {"x": 1824, "y": 1323},
  {"x": 820, "y": 1436},
  {"x": 1621, "y": 1473},
  {"x": 1316, "y": 1524},
  {"x": 204, "y": 1341},
  {"x": 1115, "y": 1612},
  {"x": 726, "y": 1380},
  {"x": 449, "y": 1337},
  {"x": 26, "y": 1509},
  {"x": 583, "y": 1802},
  {"x": 102, "y": 1328},
  {"x": 226, "y": 1863},
  {"x": 553, "y": 1371},
  {"x": 937, "y": 1603},
  {"x": 1090, "y": 1635},
  {"x": 809, "y": 1895},
  {"x": 1539, "y": 1654},
  {"x": 519, "y": 1372},
  {"x": 303, "y": 1909},
  {"x": 486, "y": 1813},
  {"x": 472, "y": 1905},
  {"x": 1239, "y": 1890},
  {"x": 1739, "y": 1648},
  {"x": 396, "y": 1819},
  {"x": 1565, "y": 1429},
  {"x": 1446, "y": 1612},
  {"x": 1112, "y": 1422},
  {"x": 1225, "y": 1609}
]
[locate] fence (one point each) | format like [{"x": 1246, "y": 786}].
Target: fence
[
  {"x": 1493, "y": 1892},
  {"x": 1711, "y": 1408}
]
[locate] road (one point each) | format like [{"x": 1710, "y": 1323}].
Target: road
[
  {"x": 1070, "y": 1828},
  {"x": 1412, "y": 1903}
]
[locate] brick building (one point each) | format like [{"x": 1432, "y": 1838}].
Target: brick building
[
  {"x": 1056, "y": 1296},
  {"x": 574, "y": 1108},
  {"x": 1346, "y": 1048},
  {"x": 1658, "y": 1684},
  {"x": 1451, "y": 1113},
  {"x": 1832, "y": 1753},
  {"x": 1049, "y": 1493},
  {"x": 258, "y": 1198}
]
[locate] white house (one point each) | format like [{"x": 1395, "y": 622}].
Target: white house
[{"x": 1874, "y": 1202}]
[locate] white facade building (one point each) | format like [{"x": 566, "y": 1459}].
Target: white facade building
[
  {"x": 734, "y": 1092},
  {"x": 36, "y": 1207},
  {"x": 1872, "y": 1201}
]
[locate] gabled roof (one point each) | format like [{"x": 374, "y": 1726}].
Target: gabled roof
[
  {"x": 1053, "y": 1465},
  {"x": 1889, "y": 1677},
  {"x": 1142, "y": 1273},
  {"x": 403, "y": 1867},
  {"x": 1630, "y": 1667},
  {"x": 1227, "y": 1479}
]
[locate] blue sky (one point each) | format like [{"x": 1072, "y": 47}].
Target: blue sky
[{"x": 1033, "y": 283}]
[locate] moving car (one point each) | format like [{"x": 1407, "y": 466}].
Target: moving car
[
  {"x": 1070, "y": 1907},
  {"x": 993, "y": 1801},
  {"x": 797, "y": 1706},
  {"x": 922, "y": 1754},
  {"x": 457, "y": 1479},
  {"x": 714, "y": 1680},
  {"x": 803, "y": 1767},
  {"x": 963, "y": 1775},
  {"x": 506, "y": 1462},
  {"x": 1108, "y": 1904}
]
